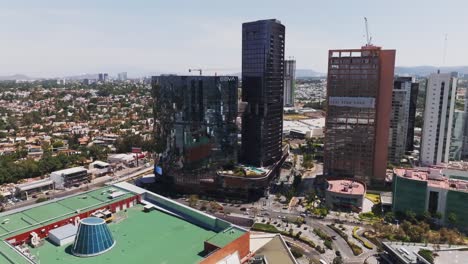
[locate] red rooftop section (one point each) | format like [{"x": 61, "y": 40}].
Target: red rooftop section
[
  {"x": 346, "y": 186},
  {"x": 433, "y": 177}
]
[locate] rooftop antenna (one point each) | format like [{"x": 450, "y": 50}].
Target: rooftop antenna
[{"x": 368, "y": 37}]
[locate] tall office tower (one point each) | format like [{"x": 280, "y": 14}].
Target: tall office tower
[
  {"x": 106, "y": 77},
  {"x": 262, "y": 90},
  {"x": 195, "y": 130},
  {"x": 359, "y": 92},
  {"x": 457, "y": 139},
  {"x": 101, "y": 77},
  {"x": 289, "y": 82},
  {"x": 438, "y": 118},
  {"x": 122, "y": 76},
  {"x": 401, "y": 97},
  {"x": 412, "y": 116},
  {"x": 465, "y": 134}
]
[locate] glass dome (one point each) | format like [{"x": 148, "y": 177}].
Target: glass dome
[{"x": 93, "y": 238}]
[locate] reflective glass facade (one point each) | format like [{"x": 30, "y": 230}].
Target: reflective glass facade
[
  {"x": 93, "y": 238},
  {"x": 262, "y": 89},
  {"x": 456, "y": 142},
  {"x": 195, "y": 130},
  {"x": 289, "y": 82}
]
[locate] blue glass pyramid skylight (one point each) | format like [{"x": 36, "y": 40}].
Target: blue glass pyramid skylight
[{"x": 93, "y": 238}]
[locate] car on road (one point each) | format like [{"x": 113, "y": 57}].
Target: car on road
[
  {"x": 243, "y": 209},
  {"x": 333, "y": 237}
]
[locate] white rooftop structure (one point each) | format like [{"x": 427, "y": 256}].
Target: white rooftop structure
[
  {"x": 33, "y": 185},
  {"x": 309, "y": 127},
  {"x": 63, "y": 235},
  {"x": 70, "y": 171}
]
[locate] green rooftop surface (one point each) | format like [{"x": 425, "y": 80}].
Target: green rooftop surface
[
  {"x": 226, "y": 236},
  {"x": 41, "y": 215},
  {"x": 152, "y": 237},
  {"x": 14, "y": 222}
]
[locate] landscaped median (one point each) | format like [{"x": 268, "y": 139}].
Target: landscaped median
[
  {"x": 327, "y": 240},
  {"x": 360, "y": 239},
  {"x": 357, "y": 250}
]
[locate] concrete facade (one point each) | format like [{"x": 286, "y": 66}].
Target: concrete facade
[
  {"x": 399, "y": 120},
  {"x": 438, "y": 118}
]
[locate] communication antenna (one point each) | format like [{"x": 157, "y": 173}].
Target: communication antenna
[
  {"x": 368, "y": 37},
  {"x": 445, "y": 51}
]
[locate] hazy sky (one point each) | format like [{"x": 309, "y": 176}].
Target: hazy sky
[{"x": 63, "y": 37}]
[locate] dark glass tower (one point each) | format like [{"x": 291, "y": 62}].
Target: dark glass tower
[
  {"x": 262, "y": 90},
  {"x": 412, "y": 116},
  {"x": 195, "y": 130}
]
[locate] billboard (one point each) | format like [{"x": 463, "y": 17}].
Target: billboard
[
  {"x": 157, "y": 170},
  {"x": 136, "y": 150},
  {"x": 357, "y": 102}
]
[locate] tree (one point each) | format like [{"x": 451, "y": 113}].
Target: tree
[
  {"x": 410, "y": 216},
  {"x": 338, "y": 260},
  {"x": 193, "y": 200},
  {"x": 427, "y": 255},
  {"x": 57, "y": 144},
  {"x": 452, "y": 218},
  {"x": 390, "y": 217}
]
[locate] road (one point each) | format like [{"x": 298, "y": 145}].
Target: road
[{"x": 96, "y": 183}]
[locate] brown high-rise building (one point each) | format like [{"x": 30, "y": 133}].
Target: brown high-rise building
[{"x": 359, "y": 96}]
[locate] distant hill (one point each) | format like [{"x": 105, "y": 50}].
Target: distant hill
[
  {"x": 82, "y": 76},
  {"x": 426, "y": 70},
  {"x": 301, "y": 73},
  {"x": 18, "y": 77}
]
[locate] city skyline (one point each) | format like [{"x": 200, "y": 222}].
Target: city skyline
[{"x": 59, "y": 39}]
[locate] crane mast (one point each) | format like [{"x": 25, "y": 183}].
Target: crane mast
[{"x": 368, "y": 38}]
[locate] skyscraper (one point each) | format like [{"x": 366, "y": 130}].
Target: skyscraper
[
  {"x": 122, "y": 76},
  {"x": 195, "y": 130},
  {"x": 457, "y": 139},
  {"x": 412, "y": 116},
  {"x": 401, "y": 96},
  {"x": 289, "y": 82},
  {"x": 438, "y": 118},
  {"x": 262, "y": 89},
  {"x": 465, "y": 134},
  {"x": 359, "y": 92}
]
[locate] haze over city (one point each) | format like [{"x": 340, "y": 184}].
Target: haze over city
[
  {"x": 241, "y": 132},
  {"x": 60, "y": 38}
]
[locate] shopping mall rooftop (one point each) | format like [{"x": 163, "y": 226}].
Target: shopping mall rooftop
[{"x": 144, "y": 226}]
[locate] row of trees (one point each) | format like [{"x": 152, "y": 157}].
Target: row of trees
[
  {"x": 419, "y": 233},
  {"x": 16, "y": 166}
]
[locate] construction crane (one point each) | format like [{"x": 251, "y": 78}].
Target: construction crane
[
  {"x": 368, "y": 38},
  {"x": 198, "y": 70}
]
